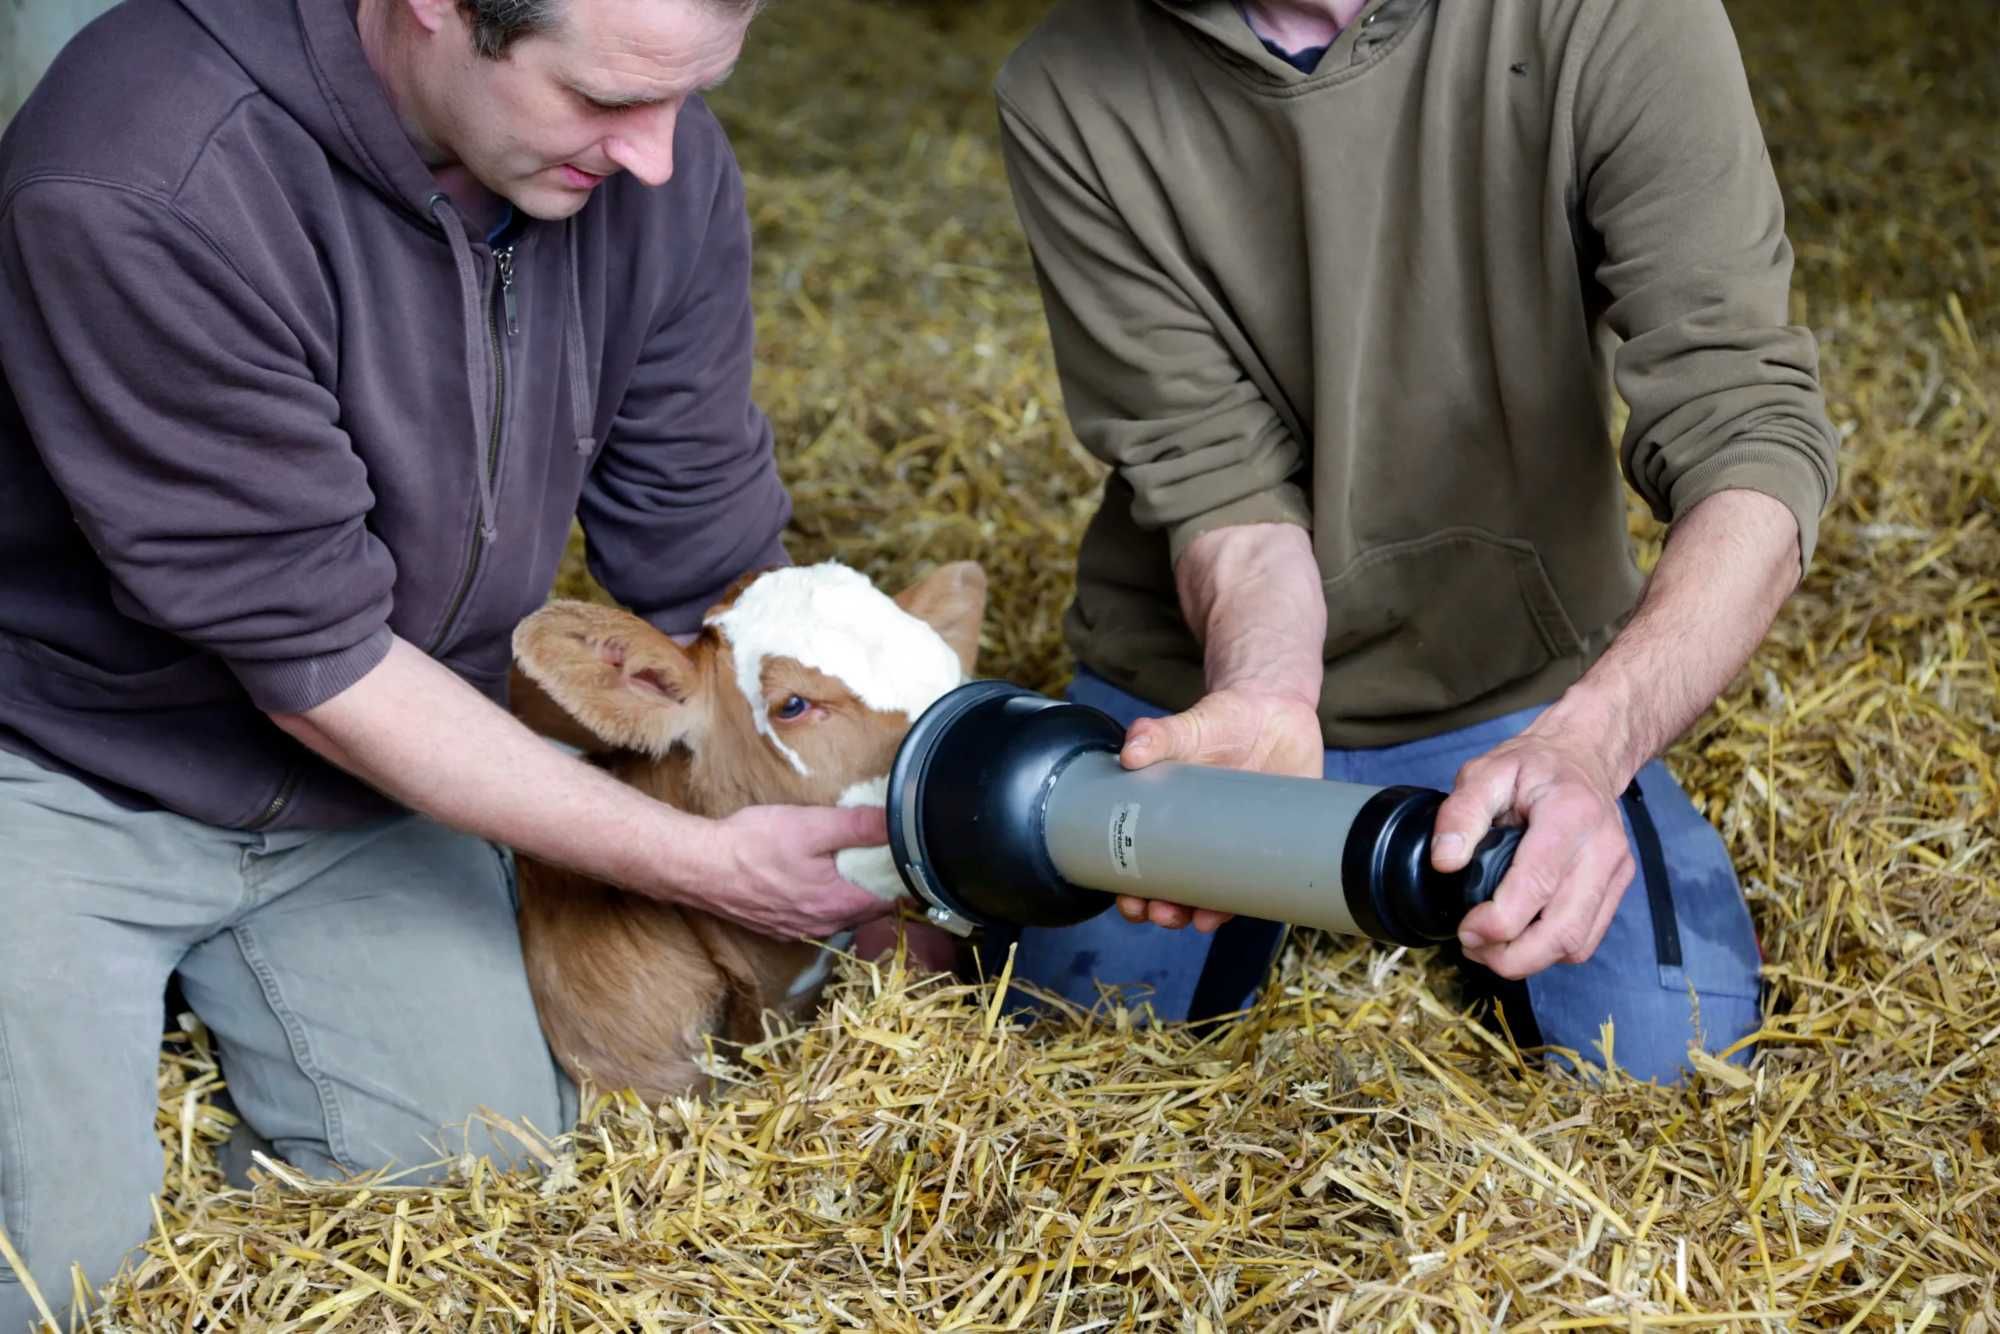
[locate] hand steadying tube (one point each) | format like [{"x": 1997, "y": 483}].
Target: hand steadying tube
[{"x": 1262, "y": 669}]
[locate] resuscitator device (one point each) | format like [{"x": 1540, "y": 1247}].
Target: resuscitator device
[{"x": 1007, "y": 807}]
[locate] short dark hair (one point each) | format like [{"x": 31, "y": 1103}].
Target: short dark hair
[{"x": 498, "y": 24}]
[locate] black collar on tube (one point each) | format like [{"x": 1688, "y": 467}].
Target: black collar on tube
[{"x": 966, "y": 801}]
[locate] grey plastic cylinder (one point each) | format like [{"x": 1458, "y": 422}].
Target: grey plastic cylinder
[{"x": 1249, "y": 843}]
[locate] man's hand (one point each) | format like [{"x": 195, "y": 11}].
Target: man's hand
[
  {"x": 1235, "y": 729},
  {"x": 1252, "y": 593},
  {"x": 1728, "y": 565},
  {"x": 778, "y": 875},
  {"x": 1572, "y": 866}
]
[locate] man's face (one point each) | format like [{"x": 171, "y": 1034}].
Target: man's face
[{"x": 562, "y": 110}]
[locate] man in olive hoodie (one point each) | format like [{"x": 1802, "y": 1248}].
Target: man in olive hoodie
[
  {"x": 319, "y": 322},
  {"x": 1337, "y": 288}
]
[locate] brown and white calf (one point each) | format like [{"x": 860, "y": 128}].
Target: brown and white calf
[{"x": 798, "y": 690}]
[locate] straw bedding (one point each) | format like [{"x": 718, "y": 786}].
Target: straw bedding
[{"x": 1355, "y": 1153}]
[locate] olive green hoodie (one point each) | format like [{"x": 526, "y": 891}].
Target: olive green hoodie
[{"x": 1383, "y": 301}]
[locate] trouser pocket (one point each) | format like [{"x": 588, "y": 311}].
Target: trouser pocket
[
  {"x": 1704, "y": 940},
  {"x": 1659, "y": 887},
  {"x": 1679, "y": 962}
]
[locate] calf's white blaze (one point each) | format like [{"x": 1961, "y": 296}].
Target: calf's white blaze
[{"x": 832, "y": 619}]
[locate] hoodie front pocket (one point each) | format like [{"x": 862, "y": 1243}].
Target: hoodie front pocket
[
  {"x": 183, "y": 734},
  {"x": 1430, "y": 624},
  {"x": 55, "y": 679}
]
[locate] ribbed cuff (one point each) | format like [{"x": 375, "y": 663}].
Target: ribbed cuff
[
  {"x": 293, "y": 685},
  {"x": 1283, "y": 503},
  {"x": 1774, "y": 468}
]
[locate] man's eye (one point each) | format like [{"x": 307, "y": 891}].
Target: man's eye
[{"x": 793, "y": 707}]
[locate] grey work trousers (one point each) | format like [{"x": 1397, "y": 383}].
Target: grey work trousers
[{"x": 364, "y": 987}]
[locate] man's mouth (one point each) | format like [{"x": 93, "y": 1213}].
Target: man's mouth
[{"x": 579, "y": 179}]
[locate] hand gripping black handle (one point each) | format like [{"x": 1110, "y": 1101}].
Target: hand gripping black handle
[
  {"x": 1393, "y": 891},
  {"x": 1482, "y": 875}
]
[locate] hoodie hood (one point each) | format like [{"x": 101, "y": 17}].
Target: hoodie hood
[
  {"x": 1224, "y": 23},
  {"x": 306, "y": 56}
]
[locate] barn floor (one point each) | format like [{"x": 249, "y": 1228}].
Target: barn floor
[{"x": 1355, "y": 1154}]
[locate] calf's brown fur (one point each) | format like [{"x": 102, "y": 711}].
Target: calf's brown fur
[{"x": 630, "y": 989}]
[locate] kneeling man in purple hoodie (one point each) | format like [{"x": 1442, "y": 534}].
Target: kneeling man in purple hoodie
[{"x": 320, "y": 322}]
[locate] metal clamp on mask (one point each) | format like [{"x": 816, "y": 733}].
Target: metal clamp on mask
[{"x": 1006, "y": 807}]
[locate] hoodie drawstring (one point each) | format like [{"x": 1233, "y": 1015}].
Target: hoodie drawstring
[
  {"x": 478, "y": 372},
  {"x": 582, "y": 400}
]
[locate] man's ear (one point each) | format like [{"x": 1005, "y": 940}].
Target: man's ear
[
  {"x": 952, "y": 600},
  {"x": 623, "y": 680},
  {"x": 433, "y": 16}
]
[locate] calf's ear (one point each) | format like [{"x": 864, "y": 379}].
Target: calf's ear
[
  {"x": 532, "y": 706},
  {"x": 628, "y": 684},
  {"x": 952, "y": 600}
]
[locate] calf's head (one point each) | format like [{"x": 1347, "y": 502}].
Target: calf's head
[{"x": 798, "y": 689}]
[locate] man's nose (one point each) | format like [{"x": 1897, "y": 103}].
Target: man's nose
[{"x": 644, "y": 145}]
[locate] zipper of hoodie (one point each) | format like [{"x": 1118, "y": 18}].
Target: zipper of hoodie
[
  {"x": 281, "y": 799},
  {"x": 503, "y": 260}
]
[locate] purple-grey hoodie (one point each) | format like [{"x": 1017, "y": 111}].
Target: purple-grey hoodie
[{"x": 267, "y": 400}]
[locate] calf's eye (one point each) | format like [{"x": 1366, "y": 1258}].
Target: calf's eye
[{"x": 793, "y": 707}]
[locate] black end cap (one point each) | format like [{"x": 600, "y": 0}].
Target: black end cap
[{"x": 1393, "y": 892}]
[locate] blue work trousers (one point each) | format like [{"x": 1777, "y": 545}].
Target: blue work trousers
[{"x": 1679, "y": 963}]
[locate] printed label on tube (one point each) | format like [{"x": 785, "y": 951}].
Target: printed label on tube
[{"x": 1124, "y": 838}]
